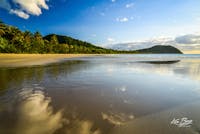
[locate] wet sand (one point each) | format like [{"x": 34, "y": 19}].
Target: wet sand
[
  {"x": 102, "y": 94},
  {"x": 20, "y": 60},
  {"x": 161, "y": 122}
]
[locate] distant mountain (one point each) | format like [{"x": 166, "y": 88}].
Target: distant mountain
[{"x": 160, "y": 49}]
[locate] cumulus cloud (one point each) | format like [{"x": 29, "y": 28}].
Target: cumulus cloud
[
  {"x": 124, "y": 19},
  {"x": 32, "y": 6},
  {"x": 186, "y": 43},
  {"x": 19, "y": 13},
  {"x": 110, "y": 39},
  {"x": 188, "y": 39},
  {"x": 24, "y": 8}
]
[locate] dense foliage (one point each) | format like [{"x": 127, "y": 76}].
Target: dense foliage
[
  {"x": 13, "y": 40},
  {"x": 160, "y": 49}
]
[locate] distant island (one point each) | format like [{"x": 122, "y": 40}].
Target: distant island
[
  {"x": 160, "y": 49},
  {"x": 13, "y": 40}
]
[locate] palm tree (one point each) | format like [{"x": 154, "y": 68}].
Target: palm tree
[
  {"x": 38, "y": 43},
  {"x": 2, "y": 28},
  {"x": 28, "y": 37}
]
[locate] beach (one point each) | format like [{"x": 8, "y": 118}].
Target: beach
[
  {"x": 99, "y": 94},
  {"x": 21, "y": 60}
]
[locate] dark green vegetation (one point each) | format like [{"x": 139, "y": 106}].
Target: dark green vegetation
[
  {"x": 75, "y": 46},
  {"x": 160, "y": 49},
  {"x": 13, "y": 40}
]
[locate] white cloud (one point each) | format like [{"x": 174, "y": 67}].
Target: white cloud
[
  {"x": 124, "y": 19},
  {"x": 129, "y": 5},
  {"x": 32, "y": 6},
  {"x": 24, "y": 8},
  {"x": 186, "y": 43},
  {"x": 110, "y": 39},
  {"x": 188, "y": 39},
  {"x": 19, "y": 13},
  {"x": 113, "y": 0}
]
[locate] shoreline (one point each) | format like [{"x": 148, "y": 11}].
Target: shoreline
[{"x": 23, "y": 60}]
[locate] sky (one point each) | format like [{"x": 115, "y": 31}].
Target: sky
[{"x": 119, "y": 24}]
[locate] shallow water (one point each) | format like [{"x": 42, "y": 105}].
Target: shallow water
[{"x": 111, "y": 94}]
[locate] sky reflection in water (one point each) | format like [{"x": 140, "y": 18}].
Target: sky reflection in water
[{"x": 110, "y": 94}]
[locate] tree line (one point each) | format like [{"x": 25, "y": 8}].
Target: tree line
[{"x": 13, "y": 40}]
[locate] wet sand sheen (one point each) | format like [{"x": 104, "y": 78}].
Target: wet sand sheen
[
  {"x": 161, "y": 122},
  {"x": 20, "y": 60},
  {"x": 101, "y": 95}
]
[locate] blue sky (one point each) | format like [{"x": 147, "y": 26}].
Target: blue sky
[{"x": 105, "y": 22}]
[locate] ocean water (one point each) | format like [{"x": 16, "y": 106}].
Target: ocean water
[{"x": 110, "y": 94}]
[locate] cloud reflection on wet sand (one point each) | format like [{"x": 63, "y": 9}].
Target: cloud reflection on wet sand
[
  {"x": 36, "y": 116},
  {"x": 117, "y": 119},
  {"x": 82, "y": 127},
  {"x": 100, "y": 98}
]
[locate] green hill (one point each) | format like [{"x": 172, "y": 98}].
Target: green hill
[
  {"x": 13, "y": 40},
  {"x": 160, "y": 49},
  {"x": 78, "y": 45},
  {"x": 69, "y": 40}
]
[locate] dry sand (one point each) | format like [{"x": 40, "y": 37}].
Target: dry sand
[{"x": 20, "y": 60}]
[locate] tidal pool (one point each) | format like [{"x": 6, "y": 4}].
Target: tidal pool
[{"x": 111, "y": 94}]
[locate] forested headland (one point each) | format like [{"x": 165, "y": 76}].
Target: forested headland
[{"x": 13, "y": 40}]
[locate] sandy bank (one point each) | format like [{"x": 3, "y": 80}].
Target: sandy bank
[{"x": 20, "y": 60}]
